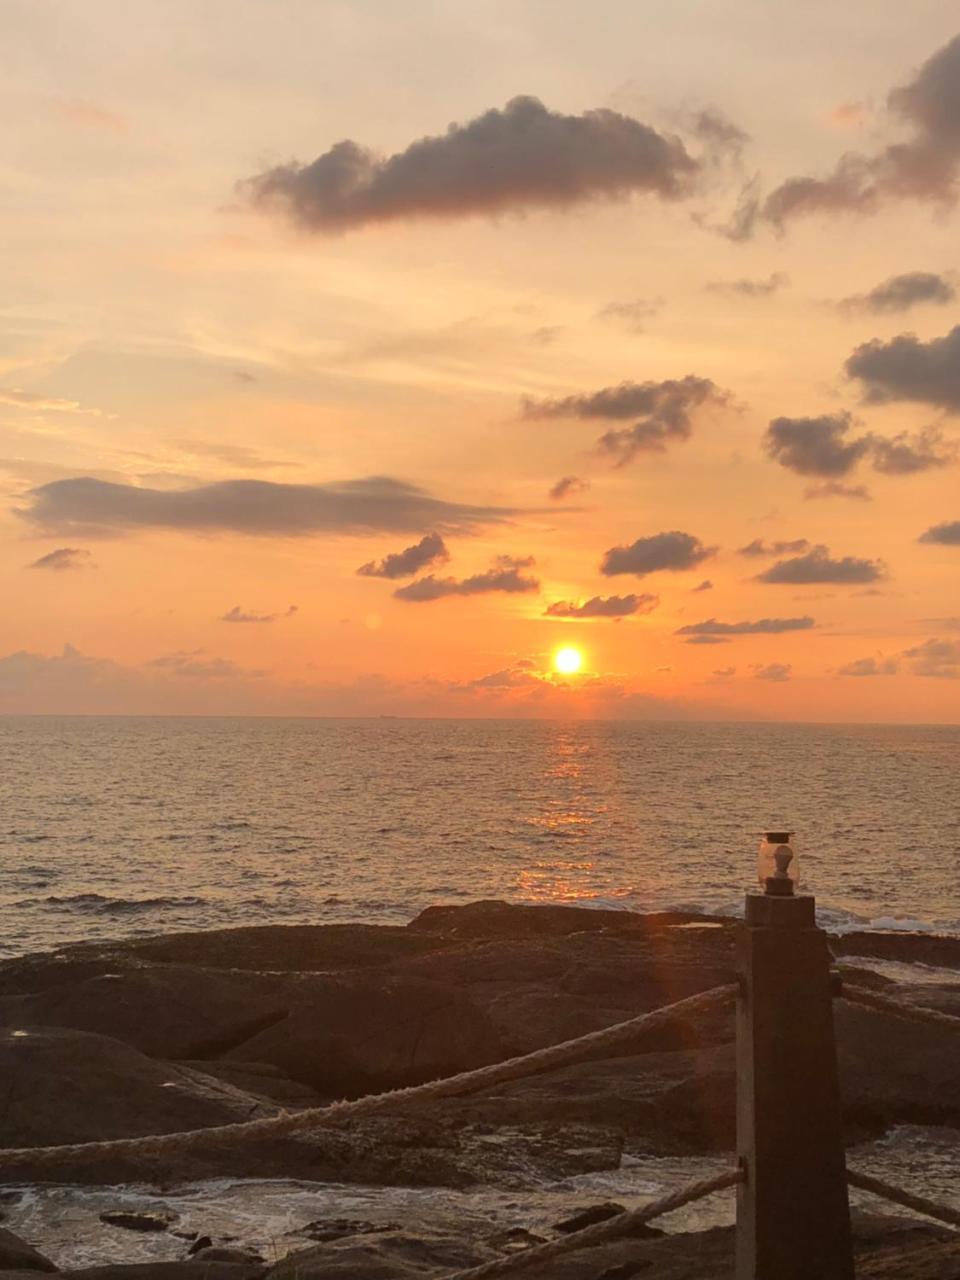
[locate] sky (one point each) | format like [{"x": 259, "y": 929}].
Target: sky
[{"x": 355, "y": 357}]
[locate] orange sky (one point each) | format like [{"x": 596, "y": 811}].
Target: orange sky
[{"x": 192, "y": 308}]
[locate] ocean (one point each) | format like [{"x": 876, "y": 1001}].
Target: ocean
[{"x": 113, "y": 826}]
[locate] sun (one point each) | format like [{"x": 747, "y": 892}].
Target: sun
[{"x": 568, "y": 661}]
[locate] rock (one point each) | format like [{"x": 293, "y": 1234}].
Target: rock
[
  {"x": 68, "y": 1086},
  {"x": 896, "y": 1072},
  {"x": 223, "y": 1253},
  {"x": 17, "y": 1255},
  {"x": 262, "y": 1079},
  {"x": 940, "y": 950},
  {"x": 588, "y": 1217},
  {"x": 324, "y": 1229},
  {"x": 494, "y": 918},
  {"x": 138, "y": 1220},
  {"x": 165, "y": 1012},
  {"x": 515, "y": 1240},
  {"x": 200, "y": 1242},
  {"x": 184, "y": 1270},
  {"x": 387, "y": 1255},
  {"x": 351, "y": 1034}
]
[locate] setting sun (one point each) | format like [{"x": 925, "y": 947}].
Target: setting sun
[{"x": 568, "y": 661}]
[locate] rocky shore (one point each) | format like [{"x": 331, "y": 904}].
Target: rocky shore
[{"x": 186, "y": 1031}]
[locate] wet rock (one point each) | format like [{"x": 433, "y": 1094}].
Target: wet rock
[
  {"x": 493, "y": 918},
  {"x": 325, "y": 1229},
  {"x": 225, "y": 1253},
  {"x": 186, "y": 1270},
  {"x": 17, "y": 1255},
  {"x": 515, "y": 1240},
  {"x": 200, "y": 1242},
  {"x": 138, "y": 1219},
  {"x": 589, "y": 1217},
  {"x": 387, "y": 1255}
]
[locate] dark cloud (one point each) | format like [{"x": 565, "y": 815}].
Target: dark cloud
[
  {"x": 236, "y": 614},
  {"x": 925, "y": 167},
  {"x": 631, "y": 315},
  {"x": 516, "y": 677},
  {"x": 749, "y": 288},
  {"x": 707, "y": 639},
  {"x": 759, "y": 627},
  {"x": 568, "y": 487},
  {"x": 61, "y": 559},
  {"x": 778, "y": 672},
  {"x": 404, "y": 564},
  {"x": 673, "y": 551},
  {"x": 760, "y": 548},
  {"x": 834, "y": 489},
  {"x": 944, "y": 535},
  {"x": 376, "y": 504},
  {"x": 722, "y": 137},
  {"x": 906, "y": 368},
  {"x": 665, "y": 411},
  {"x": 725, "y": 673},
  {"x": 939, "y": 659},
  {"x": 870, "y": 667},
  {"x": 705, "y": 585},
  {"x": 815, "y": 446},
  {"x": 905, "y": 454},
  {"x": 902, "y": 292},
  {"x": 506, "y": 576},
  {"x": 522, "y": 157},
  {"x": 600, "y": 607},
  {"x": 819, "y": 566},
  {"x": 196, "y": 664}
]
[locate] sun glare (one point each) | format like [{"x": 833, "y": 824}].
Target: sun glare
[{"x": 568, "y": 661}]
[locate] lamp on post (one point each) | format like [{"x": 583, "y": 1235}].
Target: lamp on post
[{"x": 793, "y": 1218}]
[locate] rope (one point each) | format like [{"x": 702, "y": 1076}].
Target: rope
[
  {"x": 624, "y": 1224},
  {"x": 864, "y": 1182},
  {"x": 225, "y": 1137},
  {"x": 916, "y": 1013}
]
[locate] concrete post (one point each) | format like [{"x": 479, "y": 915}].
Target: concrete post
[{"x": 793, "y": 1218}]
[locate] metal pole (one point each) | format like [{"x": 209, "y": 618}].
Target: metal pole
[{"x": 793, "y": 1217}]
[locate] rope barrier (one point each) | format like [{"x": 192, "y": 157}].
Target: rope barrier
[
  {"x": 883, "y": 1004},
  {"x": 225, "y": 1137},
  {"x": 624, "y": 1224},
  {"x": 864, "y": 1182}
]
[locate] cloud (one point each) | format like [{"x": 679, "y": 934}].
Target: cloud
[
  {"x": 760, "y": 548},
  {"x": 760, "y": 627},
  {"x": 522, "y": 157},
  {"x": 568, "y": 487},
  {"x": 665, "y": 411},
  {"x": 924, "y": 167},
  {"x": 778, "y": 672},
  {"x": 815, "y": 446},
  {"x": 745, "y": 288},
  {"x": 819, "y": 566},
  {"x": 707, "y": 639},
  {"x": 905, "y": 454},
  {"x": 505, "y": 576},
  {"x": 87, "y": 115},
  {"x": 705, "y": 585},
  {"x": 906, "y": 368},
  {"x": 938, "y": 659},
  {"x": 431, "y": 549},
  {"x": 516, "y": 677},
  {"x": 375, "y": 504},
  {"x": 674, "y": 551},
  {"x": 724, "y": 673},
  {"x": 236, "y": 614},
  {"x": 600, "y": 607},
  {"x": 61, "y": 559},
  {"x": 900, "y": 293},
  {"x": 822, "y": 447},
  {"x": 38, "y": 403},
  {"x": 632, "y": 316},
  {"x": 834, "y": 489},
  {"x": 943, "y": 535},
  {"x": 870, "y": 667},
  {"x": 195, "y": 664}
]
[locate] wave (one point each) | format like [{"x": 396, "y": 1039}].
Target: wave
[{"x": 99, "y": 904}]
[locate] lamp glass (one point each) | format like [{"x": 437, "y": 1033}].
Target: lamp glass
[{"x": 778, "y": 858}]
